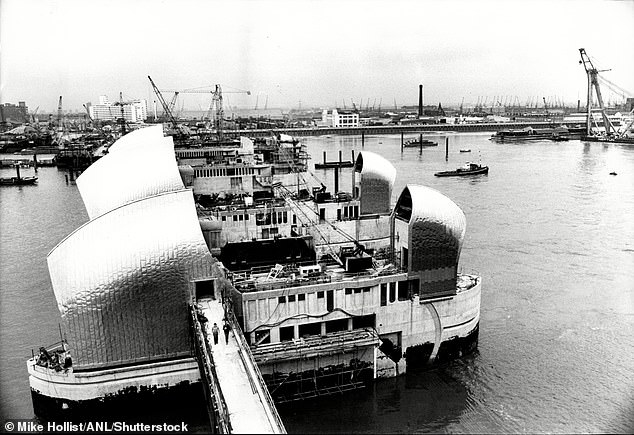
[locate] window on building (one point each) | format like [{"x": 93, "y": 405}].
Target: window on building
[
  {"x": 224, "y": 218},
  {"x": 281, "y": 299},
  {"x": 414, "y": 286},
  {"x": 320, "y": 295},
  {"x": 359, "y": 322},
  {"x": 383, "y": 294},
  {"x": 301, "y": 297},
  {"x": 287, "y": 333},
  {"x": 402, "y": 290},
  {"x": 330, "y": 300},
  {"x": 392, "y": 292},
  {"x": 309, "y": 329},
  {"x": 337, "y": 325},
  {"x": 348, "y": 291},
  {"x": 291, "y": 298},
  {"x": 262, "y": 336},
  {"x": 236, "y": 182},
  {"x": 235, "y": 217}
]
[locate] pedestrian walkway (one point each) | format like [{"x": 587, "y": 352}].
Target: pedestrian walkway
[{"x": 248, "y": 403}]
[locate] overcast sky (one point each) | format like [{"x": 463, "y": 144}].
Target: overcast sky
[{"x": 317, "y": 52}]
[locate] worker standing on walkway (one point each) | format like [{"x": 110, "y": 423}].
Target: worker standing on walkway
[
  {"x": 226, "y": 328},
  {"x": 215, "y": 331}
]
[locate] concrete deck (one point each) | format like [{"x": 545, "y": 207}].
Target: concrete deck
[{"x": 244, "y": 393}]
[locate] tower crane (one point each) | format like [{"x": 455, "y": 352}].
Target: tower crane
[
  {"x": 216, "y": 103},
  {"x": 593, "y": 81}
]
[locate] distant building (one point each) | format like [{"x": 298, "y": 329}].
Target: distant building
[
  {"x": 338, "y": 118},
  {"x": 12, "y": 113},
  {"x": 133, "y": 111}
]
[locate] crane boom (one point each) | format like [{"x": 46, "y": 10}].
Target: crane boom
[
  {"x": 216, "y": 102},
  {"x": 166, "y": 108},
  {"x": 593, "y": 81}
]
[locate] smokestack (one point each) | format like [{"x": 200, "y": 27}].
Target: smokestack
[
  {"x": 420, "y": 100},
  {"x": 578, "y": 105}
]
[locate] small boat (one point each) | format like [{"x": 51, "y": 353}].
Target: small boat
[
  {"x": 17, "y": 181},
  {"x": 467, "y": 169},
  {"x": 465, "y": 150},
  {"x": 416, "y": 142},
  {"x": 612, "y": 173}
]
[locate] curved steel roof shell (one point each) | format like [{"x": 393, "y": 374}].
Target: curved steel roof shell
[
  {"x": 136, "y": 170},
  {"x": 122, "y": 281},
  {"x": 437, "y": 227},
  {"x": 376, "y": 182}
]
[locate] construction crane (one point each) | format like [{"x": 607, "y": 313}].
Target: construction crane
[
  {"x": 59, "y": 113},
  {"x": 593, "y": 81},
  {"x": 88, "y": 113},
  {"x": 33, "y": 115},
  {"x": 172, "y": 103},
  {"x": 216, "y": 103},
  {"x": 121, "y": 104},
  {"x": 165, "y": 106}
]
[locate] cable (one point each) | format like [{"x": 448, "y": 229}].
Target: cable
[{"x": 301, "y": 316}]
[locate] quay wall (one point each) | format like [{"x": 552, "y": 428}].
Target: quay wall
[{"x": 393, "y": 129}]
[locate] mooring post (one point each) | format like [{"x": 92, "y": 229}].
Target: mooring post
[
  {"x": 362, "y": 138},
  {"x": 339, "y": 159},
  {"x": 352, "y": 157},
  {"x": 401, "y": 141},
  {"x": 446, "y": 148},
  {"x": 420, "y": 143},
  {"x": 35, "y": 162},
  {"x": 324, "y": 157}
]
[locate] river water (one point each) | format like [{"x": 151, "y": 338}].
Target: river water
[{"x": 550, "y": 231}]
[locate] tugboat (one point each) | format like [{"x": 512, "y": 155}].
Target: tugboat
[{"x": 467, "y": 169}]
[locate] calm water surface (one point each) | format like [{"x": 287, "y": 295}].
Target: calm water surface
[{"x": 550, "y": 231}]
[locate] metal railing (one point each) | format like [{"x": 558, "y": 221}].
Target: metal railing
[
  {"x": 216, "y": 405},
  {"x": 254, "y": 374}
]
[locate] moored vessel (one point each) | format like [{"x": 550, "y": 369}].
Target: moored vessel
[{"x": 468, "y": 168}]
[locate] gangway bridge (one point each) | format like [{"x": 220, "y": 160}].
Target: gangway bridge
[{"x": 238, "y": 400}]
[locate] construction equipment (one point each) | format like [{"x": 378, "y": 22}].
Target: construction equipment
[
  {"x": 593, "y": 81},
  {"x": 59, "y": 113},
  {"x": 215, "y": 106},
  {"x": 165, "y": 106}
]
